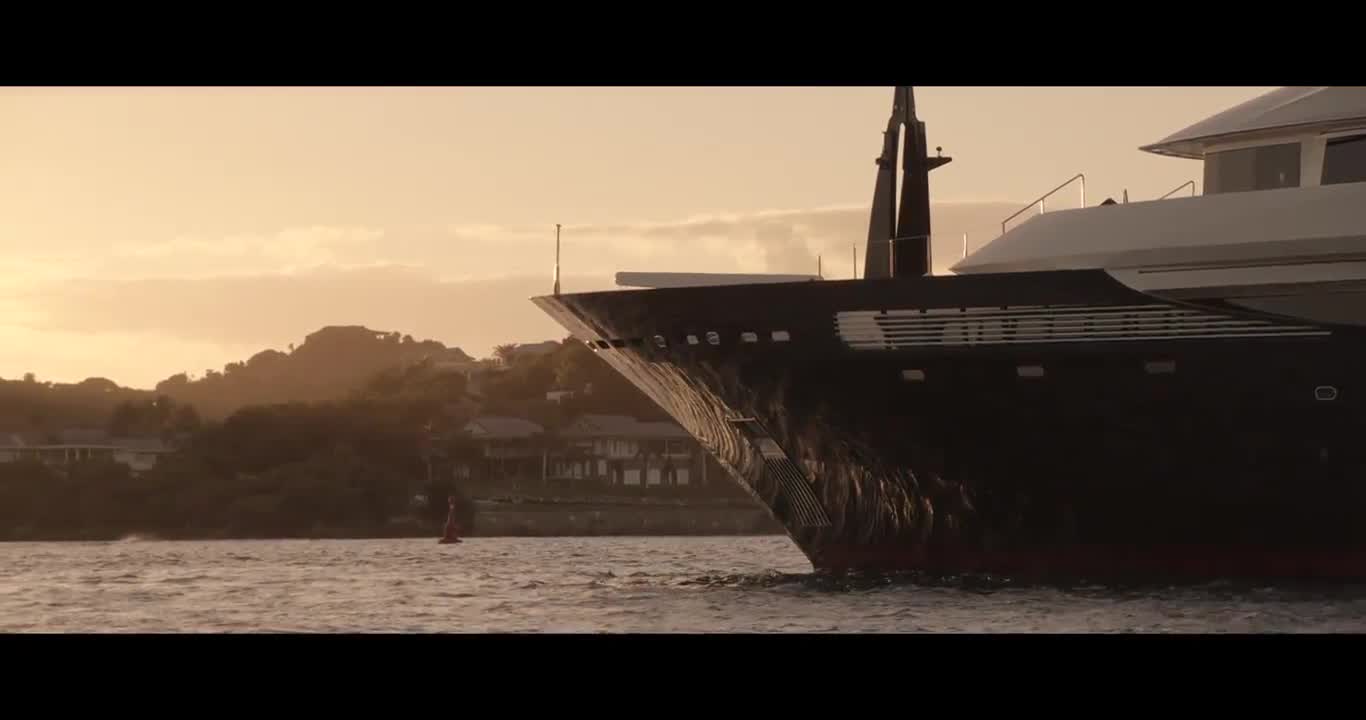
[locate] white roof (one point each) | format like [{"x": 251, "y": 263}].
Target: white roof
[
  {"x": 502, "y": 428},
  {"x": 1306, "y": 223},
  {"x": 1281, "y": 109},
  {"x": 685, "y": 279},
  {"x": 593, "y": 425}
]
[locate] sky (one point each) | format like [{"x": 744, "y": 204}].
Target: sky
[{"x": 150, "y": 231}]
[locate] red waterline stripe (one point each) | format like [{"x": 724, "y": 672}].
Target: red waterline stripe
[{"x": 1186, "y": 562}]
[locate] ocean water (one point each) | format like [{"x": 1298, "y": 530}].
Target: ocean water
[{"x": 619, "y": 585}]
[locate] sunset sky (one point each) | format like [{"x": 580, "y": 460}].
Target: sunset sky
[{"x": 152, "y": 231}]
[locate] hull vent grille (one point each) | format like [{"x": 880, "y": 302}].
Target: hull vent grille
[
  {"x": 802, "y": 502},
  {"x": 893, "y": 329}
]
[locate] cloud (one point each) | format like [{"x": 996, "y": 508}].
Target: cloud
[
  {"x": 784, "y": 241},
  {"x": 21, "y": 273},
  {"x": 273, "y": 310},
  {"x": 288, "y": 250}
]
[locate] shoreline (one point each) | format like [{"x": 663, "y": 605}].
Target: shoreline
[
  {"x": 516, "y": 517},
  {"x": 153, "y": 537}
]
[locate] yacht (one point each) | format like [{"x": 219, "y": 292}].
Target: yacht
[{"x": 1169, "y": 387}]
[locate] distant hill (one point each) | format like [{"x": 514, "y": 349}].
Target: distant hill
[
  {"x": 32, "y": 406},
  {"x": 379, "y": 372},
  {"x": 331, "y": 363}
]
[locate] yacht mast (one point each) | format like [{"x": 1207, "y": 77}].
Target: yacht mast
[{"x": 899, "y": 242}]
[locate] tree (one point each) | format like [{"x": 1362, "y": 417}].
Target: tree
[
  {"x": 505, "y": 353},
  {"x": 173, "y": 383},
  {"x": 124, "y": 419},
  {"x": 574, "y": 366},
  {"x": 98, "y": 384},
  {"x": 185, "y": 420}
]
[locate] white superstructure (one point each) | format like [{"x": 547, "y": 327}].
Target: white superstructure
[{"x": 1280, "y": 226}]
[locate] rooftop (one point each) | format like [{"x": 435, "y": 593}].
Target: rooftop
[
  {"x": 622, "y": 426},
  {"x": 83, "y": 439},
  {"x": 506, "y": 428},
  {"x": 1281, "y": 110}
]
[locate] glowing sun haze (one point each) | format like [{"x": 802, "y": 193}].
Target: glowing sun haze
[{"x": 149, "y": 231}]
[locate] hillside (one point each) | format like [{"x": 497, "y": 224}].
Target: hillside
[
  {"x": 417, "y": 381},
  {"x": 331, "y": 363}
]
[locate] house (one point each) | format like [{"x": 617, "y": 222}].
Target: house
[
  {"x": 10, "y": 445},
  {"x": 558, "y": 395},
  {"x": 509, "y": 449},
  {"x": 621, "y": 451},
  {"x": 501, "y": 436},
  {"x": 594, "y": 452},
  {"x": 139, "y": 453},
  {"x": 456, "y": 361},
  {"x": 526, "y": 351}
]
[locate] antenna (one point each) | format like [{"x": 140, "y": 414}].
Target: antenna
[
  {"x": 819, "y": 274},
  {"x": 854, "y": 248},
  {"x": 557, "y": 259}
]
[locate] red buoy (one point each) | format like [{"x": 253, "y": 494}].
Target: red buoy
[{"x": 451, "y": 534}]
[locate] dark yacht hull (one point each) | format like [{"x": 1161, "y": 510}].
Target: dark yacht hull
[{"x": 1034, "y": 424}]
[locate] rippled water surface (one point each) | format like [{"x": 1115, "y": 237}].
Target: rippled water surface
[{"x": 582, "y": 585}]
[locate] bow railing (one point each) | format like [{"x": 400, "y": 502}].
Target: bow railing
[{"x": 1043, "y": 200}]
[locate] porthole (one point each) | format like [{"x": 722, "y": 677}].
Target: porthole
[{"x": 1160, "y": 367}]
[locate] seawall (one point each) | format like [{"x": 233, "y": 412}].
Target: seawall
[{"x": 494, "y": 519}]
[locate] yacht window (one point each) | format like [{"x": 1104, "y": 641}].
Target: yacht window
[
  {"x": 1344, "y": 160},
  {"x": 1254, "y": 168}
]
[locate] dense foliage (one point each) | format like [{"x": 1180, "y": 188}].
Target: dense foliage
[
  {"x": 41, "y": 407},
  {"x": 350, "y": 434}
]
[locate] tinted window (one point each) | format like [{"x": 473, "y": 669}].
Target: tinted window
[
  {"x": 1344, "y": 160},
  {"x": 1256, "y": 168}
]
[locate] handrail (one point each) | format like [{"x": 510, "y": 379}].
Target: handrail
[
  {"x": 1040, "y": 201},
  {"x": 891, "y": 250},
  {"x": 1178, "y": 187}
]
